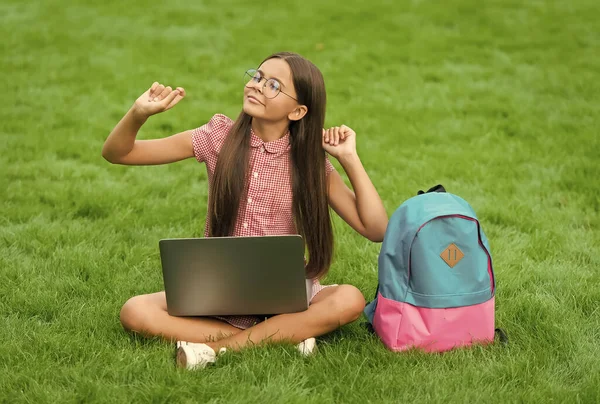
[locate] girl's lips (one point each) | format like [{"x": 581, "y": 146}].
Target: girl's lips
[{"x": 253, "y": 100}]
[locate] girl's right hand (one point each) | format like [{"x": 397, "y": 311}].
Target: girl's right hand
[{"x": 156, "y": 99}]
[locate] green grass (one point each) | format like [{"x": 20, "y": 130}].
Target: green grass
[{"x": 497, "y": 100}]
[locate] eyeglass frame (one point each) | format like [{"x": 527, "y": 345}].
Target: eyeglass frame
[{"x": 262, "y": 77}]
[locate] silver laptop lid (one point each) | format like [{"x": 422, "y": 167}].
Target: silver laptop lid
[{"x": 234, "y": 275}]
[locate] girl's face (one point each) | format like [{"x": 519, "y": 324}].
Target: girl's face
[{"x": 270, "y": 94}]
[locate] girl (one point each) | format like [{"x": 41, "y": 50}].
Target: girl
[{"x": 268, "y": 174}]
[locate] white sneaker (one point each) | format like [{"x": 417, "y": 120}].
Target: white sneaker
[
  {"x": 192, "y": 355},
  {"x": 307, "y": 346}
]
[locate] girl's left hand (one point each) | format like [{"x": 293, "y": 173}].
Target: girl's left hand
[{"x": 339, "y": 141}]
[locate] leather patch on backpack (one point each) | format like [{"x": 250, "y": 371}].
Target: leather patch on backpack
[{"x": 452, "y": 255}]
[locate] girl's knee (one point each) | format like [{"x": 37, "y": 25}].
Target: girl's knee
[
  {"x": 355, "y": 303},
  {"x": 348, "y": 304},
  {"x": 136, "y": 314}
]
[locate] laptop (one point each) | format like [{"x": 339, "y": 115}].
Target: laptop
[{"x": 234, "y": 275}]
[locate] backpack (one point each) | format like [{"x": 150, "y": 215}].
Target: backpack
[{"x": 436, "y": 286}]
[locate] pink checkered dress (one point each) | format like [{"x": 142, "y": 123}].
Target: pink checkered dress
[{"x": 267, "y": 209}]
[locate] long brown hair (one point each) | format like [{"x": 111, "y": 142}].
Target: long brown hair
[{"x": 308, "y": 178}]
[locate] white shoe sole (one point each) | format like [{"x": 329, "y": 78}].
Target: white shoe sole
[
  {"x": 194, "y": 356},
  {"x": 186, "y": 358},
  {"x": 307, "y": 347}
]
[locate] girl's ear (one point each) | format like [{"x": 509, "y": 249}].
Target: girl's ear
[{"x": 298, "y": 113}]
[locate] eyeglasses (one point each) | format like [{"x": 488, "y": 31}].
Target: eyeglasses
[{"x": 270, "y": 89}]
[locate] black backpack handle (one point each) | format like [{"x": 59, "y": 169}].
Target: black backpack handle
[{"x": 437, "y": 188}]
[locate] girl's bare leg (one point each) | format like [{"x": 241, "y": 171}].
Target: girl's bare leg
[
  {"x": 330, "y": 309},
  {"x": 147, "y": 315}
]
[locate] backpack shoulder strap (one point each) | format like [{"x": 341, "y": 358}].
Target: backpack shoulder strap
[{"x": 502, "y": 337}]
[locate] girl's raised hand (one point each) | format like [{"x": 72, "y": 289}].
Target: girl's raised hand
[
  {"x": 158, "y": 98},
  {"x": 339, "y": 141}
]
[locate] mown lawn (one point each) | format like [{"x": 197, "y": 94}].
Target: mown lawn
[{"x": 497, "y": 100}]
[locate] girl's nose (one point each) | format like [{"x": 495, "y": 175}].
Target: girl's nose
[{"x": 257, "y": 86}]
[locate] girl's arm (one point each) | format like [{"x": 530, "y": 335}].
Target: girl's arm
[
  {"x": 121, "y": 146},
  {"x": 361, "y": 209}
]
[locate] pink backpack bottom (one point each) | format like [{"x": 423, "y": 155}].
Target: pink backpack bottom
[{"x": 402, "y": 326}]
